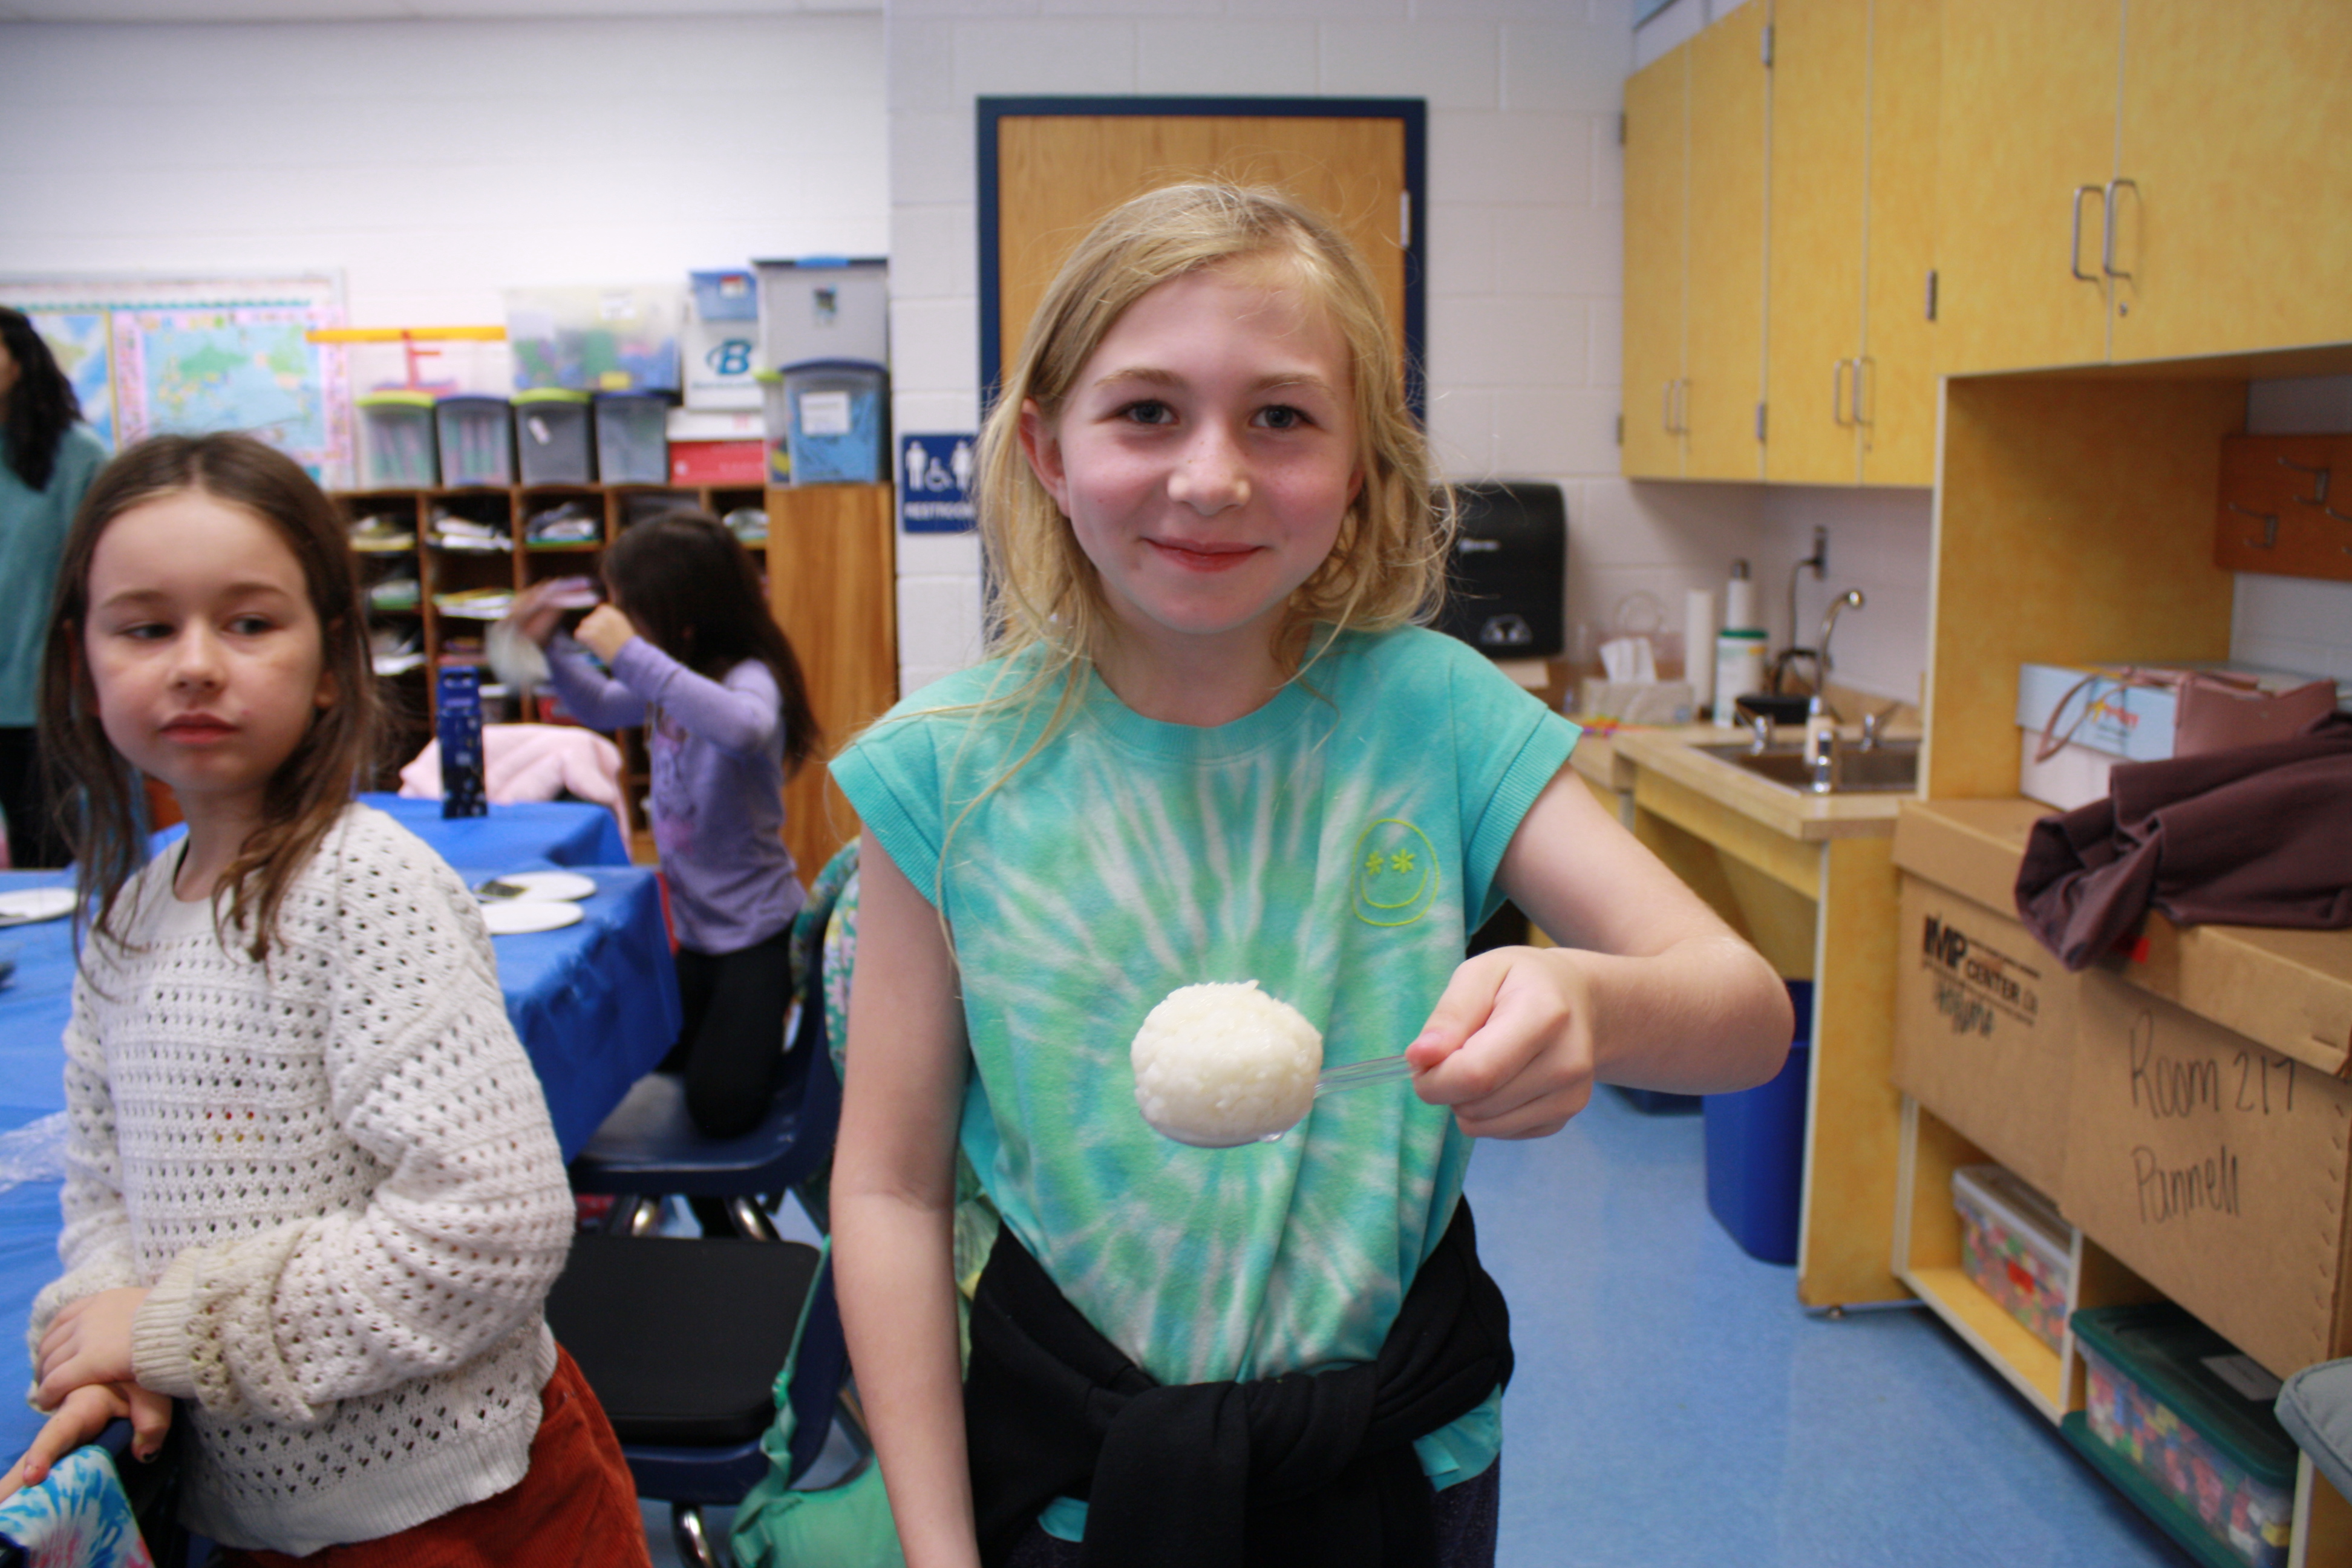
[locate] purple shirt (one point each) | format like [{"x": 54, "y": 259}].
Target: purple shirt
[{"x": 717, "y": 753}]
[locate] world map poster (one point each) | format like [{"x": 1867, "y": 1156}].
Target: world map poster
[{"x": 251, "y": 369}]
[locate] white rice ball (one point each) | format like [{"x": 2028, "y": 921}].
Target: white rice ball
[{"x": 1223, "y": 1064}]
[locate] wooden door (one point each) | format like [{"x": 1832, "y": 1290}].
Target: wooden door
[
  {"x": 1657, "y": 177},
  {"x": 2234, "y": 137},
  {"x": 1898, "y": 389},
  {"x": 1728, "y": 133},
  {"x": 1057, "y": 174},
  {"x": 1821, "y": 146},
  {"x": 2027, "y": 119}
]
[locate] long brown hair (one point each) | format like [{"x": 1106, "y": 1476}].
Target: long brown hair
[
  {"x": 101, "y": 794},
  {"x": 690, "y": 587}
]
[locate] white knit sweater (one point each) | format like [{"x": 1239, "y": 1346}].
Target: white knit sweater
[{"x": 336, "y": 1175}]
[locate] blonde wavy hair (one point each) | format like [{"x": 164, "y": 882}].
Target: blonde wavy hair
[{"x": 1386, "y": 567}]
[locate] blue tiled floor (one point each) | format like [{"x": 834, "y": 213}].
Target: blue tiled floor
[{"x": 1674, "y": 1406}]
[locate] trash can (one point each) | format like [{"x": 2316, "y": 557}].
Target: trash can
[
  {"x": 551, "y": 436},
  {"x": 1756, "y": 1150}
]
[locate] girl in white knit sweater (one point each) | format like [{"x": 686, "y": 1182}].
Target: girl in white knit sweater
[{"x": 312, "y": 1195}]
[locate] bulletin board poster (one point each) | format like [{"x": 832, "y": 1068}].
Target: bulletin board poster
[{"x": 150, "y": 356}]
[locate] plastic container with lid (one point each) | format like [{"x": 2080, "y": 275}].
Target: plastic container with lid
[
  {"x": 476, "y": 436},
  {"x": 551, "y": 436},
  {"x": 396, "y": 445},
  {"x": 826, "y": 421},
  {"x": 1738, "y": 668},
  {"x": 824, "y": 307},
  {"x": 631, "y": 439},
  {"x": 2181, "y": 1421},
  {"x": 2016, "y": 1248}
]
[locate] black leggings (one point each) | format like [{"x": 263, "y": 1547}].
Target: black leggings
[
  {"x": 34, "y": 840},
  {"x": 731, "y": 1043}
]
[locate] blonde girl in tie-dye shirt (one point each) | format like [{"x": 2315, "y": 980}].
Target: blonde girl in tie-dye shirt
[{"x": 1210, "y": 745}]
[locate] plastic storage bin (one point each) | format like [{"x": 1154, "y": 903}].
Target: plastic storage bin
[
  {"x": 476, "y": 436},
  {"x": 2181, "y": 1422},
  {"x": 397, "y": 445},
  {"x": 631, "y": 439},
  {"x": 551, "y": 436},
  {"x": 824, "y": 307},
  {"x": 825, "y": 422},
  {"x": 620, "y": 339},
  {"x": 2016, "y": 1248},
  {"x": 1756, "y": 1150}
]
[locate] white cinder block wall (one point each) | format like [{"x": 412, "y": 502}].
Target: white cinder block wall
[
  {"x": 436, "y": 163},
  {"x": 1525, "y": 244}
]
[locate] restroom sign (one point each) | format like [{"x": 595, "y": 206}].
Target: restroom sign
[{"x": 935, "y": 475}]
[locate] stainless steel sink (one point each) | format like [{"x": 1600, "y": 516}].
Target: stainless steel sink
[{"x": 1889, "y": 767}]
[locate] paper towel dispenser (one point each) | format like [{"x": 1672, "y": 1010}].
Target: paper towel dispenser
[{"x": 1508, "y": 576}]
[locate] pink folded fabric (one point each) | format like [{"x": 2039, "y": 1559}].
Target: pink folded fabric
[{"x": 532, "y": 762}]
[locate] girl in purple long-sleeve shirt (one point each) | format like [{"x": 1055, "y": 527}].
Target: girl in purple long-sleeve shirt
[{"x": 696, "y": 657}]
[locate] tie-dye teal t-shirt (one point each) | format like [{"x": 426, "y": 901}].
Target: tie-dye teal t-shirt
[{"x": 1337, "y": 846}]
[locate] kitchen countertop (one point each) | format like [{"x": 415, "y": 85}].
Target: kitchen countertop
[{"x": 1614, "y": 762}]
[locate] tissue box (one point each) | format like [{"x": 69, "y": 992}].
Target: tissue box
[
  {"x": 1637, "y": 701},
  {"x": 2104, "y": 721}
]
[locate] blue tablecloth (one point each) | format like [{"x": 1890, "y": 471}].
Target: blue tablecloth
[
  {"x": 595, "y": 1005},
  {"x": 566, "y": 832}
]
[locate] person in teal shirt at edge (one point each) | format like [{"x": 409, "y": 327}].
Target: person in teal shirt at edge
[
  {"x": 1210, "y": 746},
  {"x": 47, "y": 457}
]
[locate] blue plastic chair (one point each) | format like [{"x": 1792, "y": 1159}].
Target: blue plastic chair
[{"x": 649, "y": 1147}]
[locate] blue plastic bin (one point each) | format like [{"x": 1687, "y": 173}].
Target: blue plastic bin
[{"x": 1756, "y": 1150}]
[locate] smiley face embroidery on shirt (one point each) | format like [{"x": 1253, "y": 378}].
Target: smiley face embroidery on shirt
[{"x": 1396, "y": 873}]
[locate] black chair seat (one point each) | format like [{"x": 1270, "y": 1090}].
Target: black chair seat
[{"x": 682, "y": 1338}]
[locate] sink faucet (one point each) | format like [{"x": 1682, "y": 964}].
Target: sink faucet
[
  {"x": 1850, "y": 599},
  {"x": 1820, "y": 718}
]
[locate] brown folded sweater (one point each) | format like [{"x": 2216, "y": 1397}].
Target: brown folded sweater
[{"x": 2256, "y": 835}]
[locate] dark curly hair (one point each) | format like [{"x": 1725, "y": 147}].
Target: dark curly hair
[{"x": 43, "y": 406}]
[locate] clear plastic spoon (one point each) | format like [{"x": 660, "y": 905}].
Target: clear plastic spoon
[{"x": 1355, "y": 1075}]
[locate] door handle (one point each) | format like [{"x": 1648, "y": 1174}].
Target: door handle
[
  {"x": 2107, "y": 240},
  {"x": 2074, "y": 249},
  {"x": 1865, "y": 390},
  {"x": 1837, "y": 392}
]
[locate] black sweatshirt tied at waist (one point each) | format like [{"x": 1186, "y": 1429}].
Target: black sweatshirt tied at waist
[{"x": 1297, "y": 1470}]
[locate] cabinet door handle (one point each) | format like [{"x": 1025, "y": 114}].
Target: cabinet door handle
[
  {"x": 1837, "y": 392},
  {"x": 2107, "y": 240},
  {"x": 2074, "y": 249},
  {"x": 1681, "y": 406},
  {"x": 1666, "y": 406},
  {"x": 1865, "y": 391}
]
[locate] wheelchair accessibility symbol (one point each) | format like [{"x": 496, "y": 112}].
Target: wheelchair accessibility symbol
[{"x": 935, "y": 475}]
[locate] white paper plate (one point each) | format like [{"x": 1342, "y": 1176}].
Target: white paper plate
[
  {"x": 514, "y": 917},
  {"x": 27, "y": 905},
  {"x": 546, "y": 885}
]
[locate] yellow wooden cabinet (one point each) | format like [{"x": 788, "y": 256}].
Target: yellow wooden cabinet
[
  {"x": 1850, "y": 385},
  {"x": 2231, "y": 138},
  {"x": 1694, "y": 356},
  {"x": 1657, "y": 177},
  {"x": 2026, "y": 145},
  {"x": 2142, "y": 183}
]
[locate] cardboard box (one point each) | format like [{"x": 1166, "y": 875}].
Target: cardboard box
[
  {"x": 2103, "y": 721},
  {"x": 2289, "y": 990},
  {"x": 2214, "y": 1168},
  {"x": 1984, "y": 1016}
]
